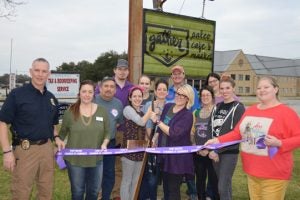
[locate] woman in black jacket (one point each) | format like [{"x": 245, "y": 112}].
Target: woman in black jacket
[{"x": 225, "y": 116}]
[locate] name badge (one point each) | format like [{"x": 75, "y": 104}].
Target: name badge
[{"x": 99, "y": 119}]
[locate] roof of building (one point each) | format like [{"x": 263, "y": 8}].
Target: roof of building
[
  {"x": 223, "y": 59},
  {"x": 262, "y": 65}
]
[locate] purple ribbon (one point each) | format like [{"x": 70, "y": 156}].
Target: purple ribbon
[
  {"x": 158, "y": 150},
  {"x": 60, "y": 161},
  {"x": 260, "y": 144}
]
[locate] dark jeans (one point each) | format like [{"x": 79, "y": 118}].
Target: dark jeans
[
  {"x": 173, "y": 185},
  {"x": 148, "y": 189},
  {"x": 85, "y": 180},
  {"x": 108, "y": 180},
  {"x": 191, "y": 185},
  {"x": 204, "y": 169}
]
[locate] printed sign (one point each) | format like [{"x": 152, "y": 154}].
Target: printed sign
[
  {"x": 171, "y": 39},
  {"x": 64, "y": 85}
]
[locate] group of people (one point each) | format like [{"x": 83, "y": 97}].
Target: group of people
[{"x": 171, "y": 116}]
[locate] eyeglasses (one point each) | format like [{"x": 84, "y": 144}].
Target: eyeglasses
[
  {"x": 181, "y": 96},
  {"x": 213, "y": 81},
  {"x": 177, "y": 74},
  {"x": 206, "y": 95}
]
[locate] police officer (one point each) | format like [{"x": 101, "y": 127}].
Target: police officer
[{"x": 32, "y": 112}]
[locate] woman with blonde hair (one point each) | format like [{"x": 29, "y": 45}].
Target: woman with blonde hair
[{"x": 174, "y": 128}]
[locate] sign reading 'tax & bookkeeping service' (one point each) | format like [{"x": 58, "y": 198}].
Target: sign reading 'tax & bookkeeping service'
[
  {"x": 171, "y": 39},
  {"x": 64, "y": 85}
]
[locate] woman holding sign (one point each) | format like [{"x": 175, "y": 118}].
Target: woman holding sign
[
  {"x": 87, "y": 126},
  {"x": 271, "y": 132}
]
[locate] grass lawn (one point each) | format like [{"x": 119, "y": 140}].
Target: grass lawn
[{"x": 240, "y": 191}]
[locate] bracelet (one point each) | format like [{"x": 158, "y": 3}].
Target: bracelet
[
  {"x": 4, "y": 152},
  {"x": 55, "y": 136}
]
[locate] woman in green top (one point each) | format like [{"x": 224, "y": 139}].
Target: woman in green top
[{"x": 87, "y": 126}]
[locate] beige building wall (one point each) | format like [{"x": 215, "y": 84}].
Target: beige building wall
[
  {"x": 287, "y": 86},
  {"x": 246, "y": 79},
  {"x": 243, "y": 74}
]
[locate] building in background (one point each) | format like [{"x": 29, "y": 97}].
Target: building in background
[{"x": 245, "y": 69}]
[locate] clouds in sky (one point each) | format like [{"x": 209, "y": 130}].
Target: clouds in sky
[{"x": 76, "y": 30}]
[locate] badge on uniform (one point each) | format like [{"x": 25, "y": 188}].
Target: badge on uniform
[{"x": 25, "y": 144}]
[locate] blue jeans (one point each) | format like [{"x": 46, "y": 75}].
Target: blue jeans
[
  {"x": 148, "y": 188},
  {"x": 108, "y": 181},
  {"x": 85, "y": 180},
  {"x": 191, "y": 185}
]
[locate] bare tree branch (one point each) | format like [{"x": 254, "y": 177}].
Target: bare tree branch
[{"x": 8, "y": 8}]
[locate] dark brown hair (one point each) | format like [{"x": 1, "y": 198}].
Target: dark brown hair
[
  {"x": 74, "y": 108},
  {"x": 131, "y": 90},
  {"x": 209, "y": 89},
  {"x": 212, "y": 74}
]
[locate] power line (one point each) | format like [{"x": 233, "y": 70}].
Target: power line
[{"x": 181, "y": 7}]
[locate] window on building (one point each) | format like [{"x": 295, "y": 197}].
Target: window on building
[
  {"x": 247, "y": 90},
  {"x": 241, "y": 90},
  {"x": 241, "y": 77},
  {"x": 241, "y": 62},
  {"x": 233, "y": 76},
  {"x": 247, "y": 77}
]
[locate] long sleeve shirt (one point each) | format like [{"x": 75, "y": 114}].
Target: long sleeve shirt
[{"x": 279, "y": 121}]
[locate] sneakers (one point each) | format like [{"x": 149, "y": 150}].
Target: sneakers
[{"x": 193, "y": 197}]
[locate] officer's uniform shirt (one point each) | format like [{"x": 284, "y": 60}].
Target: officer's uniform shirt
[{"x": 31, "y": 113}]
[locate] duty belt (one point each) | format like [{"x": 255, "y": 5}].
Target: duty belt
[{"x": 26, "y": 143}]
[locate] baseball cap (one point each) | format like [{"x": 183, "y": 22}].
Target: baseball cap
[
  {"x": 122, "y": 63},
  {"x": 178, "y": 68},
  {"x": 107, "y": 78}
]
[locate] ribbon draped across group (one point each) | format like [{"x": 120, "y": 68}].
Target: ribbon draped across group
[{"x": 158, "y": 150}]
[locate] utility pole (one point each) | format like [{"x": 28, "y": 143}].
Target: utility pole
[
  {"x": 10, "y": 63},
  {"x": 135, "y": 35},
  {"x": 203, "y": 7}
]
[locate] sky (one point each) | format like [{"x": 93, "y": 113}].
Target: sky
[{"x": 76, "y": 30}]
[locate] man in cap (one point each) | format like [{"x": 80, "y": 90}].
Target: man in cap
[
  {"x": 178, "y": 78},
  {"x": 114, "y": 108},
  {"x": 121, "y": 72},
  {"x": 123, "y": 85}
]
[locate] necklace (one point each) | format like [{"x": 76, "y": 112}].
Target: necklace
[
  {"x": 88, "y": 122},
  {"x": 205, "y": 112},
  {"x": 159, "y": 107}
]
